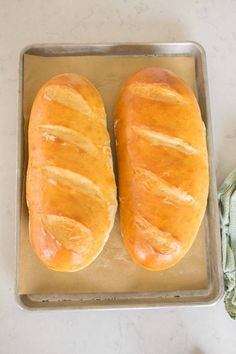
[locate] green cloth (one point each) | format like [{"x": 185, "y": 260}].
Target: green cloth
[{"x": 227, "y": 205}]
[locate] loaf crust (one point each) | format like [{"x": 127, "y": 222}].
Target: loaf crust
[
  {"x": 163, "y": 167},
  {"x": 71, "y": 193}
]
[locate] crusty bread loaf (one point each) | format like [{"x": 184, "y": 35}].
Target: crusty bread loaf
[
  {"x": 71, "y": 191},
  {"x": 163, "y": 167}
]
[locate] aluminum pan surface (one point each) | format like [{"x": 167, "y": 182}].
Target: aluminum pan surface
[{"x": 132, "y": 300}]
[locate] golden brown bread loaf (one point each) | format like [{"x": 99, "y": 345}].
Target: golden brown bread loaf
[
  {"x": 71, "y": 191},
  {"x": 163, "y": 167}
]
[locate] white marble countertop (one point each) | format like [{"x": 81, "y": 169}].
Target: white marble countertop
[{"x": 166, "y": 331}]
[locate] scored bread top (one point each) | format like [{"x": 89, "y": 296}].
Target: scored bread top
[
  {"x": 163, "y": 167},
  {"x": 71, "y": 191}
]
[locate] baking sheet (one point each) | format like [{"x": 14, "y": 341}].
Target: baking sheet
[{"x": 113, "y": 271}]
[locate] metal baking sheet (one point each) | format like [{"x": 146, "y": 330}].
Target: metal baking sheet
[{"x": 214, "y": 289}]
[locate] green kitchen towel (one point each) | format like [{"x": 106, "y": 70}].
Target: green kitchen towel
[{"x": 227, "y": 205}]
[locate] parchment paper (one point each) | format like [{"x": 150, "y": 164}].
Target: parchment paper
[{"x": 113, "y": 270}]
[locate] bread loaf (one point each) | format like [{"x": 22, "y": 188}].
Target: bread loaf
[
  {"x": 71, "y": 193},
  {"x": 163, "y": 167}
]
